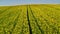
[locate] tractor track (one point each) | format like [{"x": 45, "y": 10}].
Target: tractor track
[
  {"x": 30, "y": 29},
  {"x": 42, "y": 32}
]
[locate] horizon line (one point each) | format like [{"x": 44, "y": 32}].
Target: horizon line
[{"x": 30, "y": 4}]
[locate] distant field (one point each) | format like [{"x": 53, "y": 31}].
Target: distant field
[{"x": 30, "y": 19}]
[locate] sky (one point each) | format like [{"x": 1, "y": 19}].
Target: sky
[{"x": 19, "y": 2}]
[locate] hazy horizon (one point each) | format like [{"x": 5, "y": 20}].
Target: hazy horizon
[{"x": 21, "y": 2}]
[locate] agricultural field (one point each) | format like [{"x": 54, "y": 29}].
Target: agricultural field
[{"x": 30, "y": 19}]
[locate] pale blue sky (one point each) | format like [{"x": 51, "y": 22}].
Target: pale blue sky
[{"x": 16, "y": 2}]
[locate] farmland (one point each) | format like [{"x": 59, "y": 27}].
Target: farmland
[{"x": 30, "y": 19}]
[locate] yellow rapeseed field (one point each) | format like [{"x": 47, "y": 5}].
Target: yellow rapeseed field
[{"x": 30, "y": 19}]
